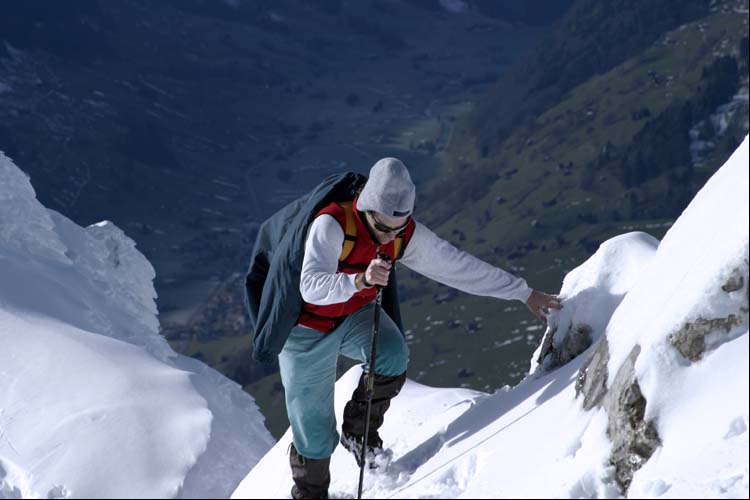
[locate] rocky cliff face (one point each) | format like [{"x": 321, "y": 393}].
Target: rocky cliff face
[
  {"x": 693, "y": 296},
  {"x": 635, "y": 437}
]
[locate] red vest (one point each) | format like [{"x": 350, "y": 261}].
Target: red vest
[{"x": 327, "y": 318}]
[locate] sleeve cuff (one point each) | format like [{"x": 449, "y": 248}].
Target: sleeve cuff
[
  {"x": 351, "y": 285},
  {"x": 524, "y": 294}
]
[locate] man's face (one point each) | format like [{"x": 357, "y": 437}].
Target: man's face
[{"x": 385, "y": 228}]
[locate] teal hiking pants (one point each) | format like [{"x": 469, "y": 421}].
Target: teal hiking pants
[{"x": 308, "y": 372}]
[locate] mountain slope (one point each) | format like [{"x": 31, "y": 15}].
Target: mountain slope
[
  {"x": 657, "y": 405},
  {"x": 190, "y": 121},
  {"x": 592, "y": 38},
  {"x": 93, "y": 401},
  {"x": 620, "y": 150}
]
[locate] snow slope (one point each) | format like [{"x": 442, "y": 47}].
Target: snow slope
[
  {"x": 93, "y": 401},
  {"x": 536, "y": 440}
]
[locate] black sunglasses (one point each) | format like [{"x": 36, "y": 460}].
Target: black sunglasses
[{"x": 387, "y": 229}]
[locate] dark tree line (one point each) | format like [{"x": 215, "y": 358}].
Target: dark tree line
[{"x": 663, "y": 144}]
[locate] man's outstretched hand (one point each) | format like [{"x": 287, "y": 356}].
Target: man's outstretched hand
[{"x": 540, "y": 303}]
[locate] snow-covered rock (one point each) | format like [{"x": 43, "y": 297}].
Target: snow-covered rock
[
  {"x": 690, "y": 404},
  {"x": 592, "y": 292},
  {"x": 566, "y": 432},
  {"x": 93, "y": 401}
]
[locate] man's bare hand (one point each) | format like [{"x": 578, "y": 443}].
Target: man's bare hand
[
  {"x": 540, "y": 303},
  {"x": 378, "y": 272}
]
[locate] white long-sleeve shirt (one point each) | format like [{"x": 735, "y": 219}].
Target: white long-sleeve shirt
[{"x": 426, "y": 253}]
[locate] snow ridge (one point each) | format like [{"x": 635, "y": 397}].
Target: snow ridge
[{"x": 93, "y": 401}]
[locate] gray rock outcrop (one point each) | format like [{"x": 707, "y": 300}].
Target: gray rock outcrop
[{"x": 634, "y": 438}]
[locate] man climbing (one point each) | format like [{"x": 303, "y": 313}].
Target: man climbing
[{"x": 341, "y": 271}]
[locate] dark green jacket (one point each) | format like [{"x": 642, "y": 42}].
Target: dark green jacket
[{"x": 272, "y": 286}]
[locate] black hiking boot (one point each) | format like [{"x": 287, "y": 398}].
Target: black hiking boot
[
  {"x": 311, "y": 477},
  {"x": 353, "y": 427}
]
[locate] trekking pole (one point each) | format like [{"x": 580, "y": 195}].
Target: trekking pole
[{"x": 370, "y": 379}]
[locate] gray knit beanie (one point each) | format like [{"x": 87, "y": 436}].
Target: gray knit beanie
[{"x": 389, "y": 189}]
